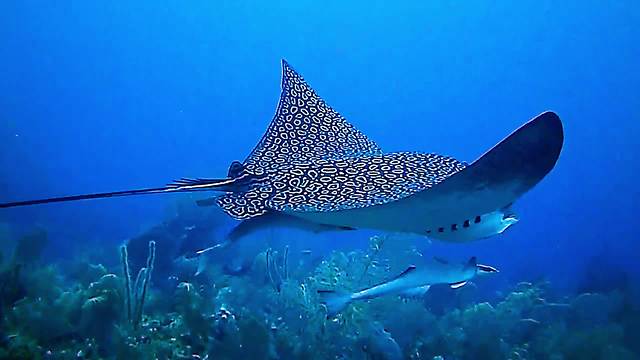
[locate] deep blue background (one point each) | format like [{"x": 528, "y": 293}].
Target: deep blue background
[{"x": 100, "y": 96}]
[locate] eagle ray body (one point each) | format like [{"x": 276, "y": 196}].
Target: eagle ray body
[
  {"x": 313, "y": 164},
  {"x": 316, "y": 161},
  {"x": 463, "y": 200},
  {"x": 359, "y": 186}
]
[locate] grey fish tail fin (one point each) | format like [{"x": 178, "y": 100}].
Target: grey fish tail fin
[{"x": 335, "y": 301}]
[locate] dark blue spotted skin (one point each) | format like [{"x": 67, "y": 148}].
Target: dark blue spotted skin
[
  {"x": 332, "y": 185},
  {"x": 312, "y": 159},
  {"x": 304, "y": 129}
]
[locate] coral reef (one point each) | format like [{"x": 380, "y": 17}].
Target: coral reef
[{"x": 272, "y": 311}]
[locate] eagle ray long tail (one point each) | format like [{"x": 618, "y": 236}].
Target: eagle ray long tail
[{"x": 182, "y": 185}]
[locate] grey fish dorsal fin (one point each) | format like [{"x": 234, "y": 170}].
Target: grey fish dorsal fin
[
  {"x": 486, "y": 269},
  {"x": 409, "y": 270},
  {"x": 305, "y": 128},
  {"x": 472, "y": 263}
]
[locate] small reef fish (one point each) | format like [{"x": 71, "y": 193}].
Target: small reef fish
[{"x": 411, "y": 282}]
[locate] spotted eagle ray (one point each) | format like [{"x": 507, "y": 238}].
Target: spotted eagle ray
[{"x": 313, "y": 164}]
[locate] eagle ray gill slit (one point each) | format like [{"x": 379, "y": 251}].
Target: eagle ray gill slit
[{"x": 311, "y": 163}]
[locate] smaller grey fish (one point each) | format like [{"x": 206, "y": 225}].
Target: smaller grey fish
[
  {"x": 199, "y": 259},
  {"x": 275, "y": 219},
  {"x": 411, "y": 282}
]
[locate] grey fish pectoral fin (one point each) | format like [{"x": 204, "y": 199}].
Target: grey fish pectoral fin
[
  {"x": 486, "y": 269},
  {"x": 458, "y": 285}
]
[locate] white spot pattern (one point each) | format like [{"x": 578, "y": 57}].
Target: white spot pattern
[{"x": 316, "y": 161}]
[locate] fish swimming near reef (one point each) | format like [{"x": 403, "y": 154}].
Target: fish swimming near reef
[
  {"x": 312, "y": 164},
  {"x": 281, "y": 221},
  {"x": 412, "y": 282},
  {"x": 199, "y": 259}
]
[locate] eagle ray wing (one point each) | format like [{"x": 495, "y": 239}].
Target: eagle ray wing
[{"x": 304, "y": 129}]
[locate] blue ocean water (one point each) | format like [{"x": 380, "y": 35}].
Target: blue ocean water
[{"x": 98, "y": 96}]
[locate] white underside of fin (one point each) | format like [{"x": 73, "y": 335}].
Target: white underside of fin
[
  {"x": 426, "y": 212},
  {"x": 494, "y": 181}
]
